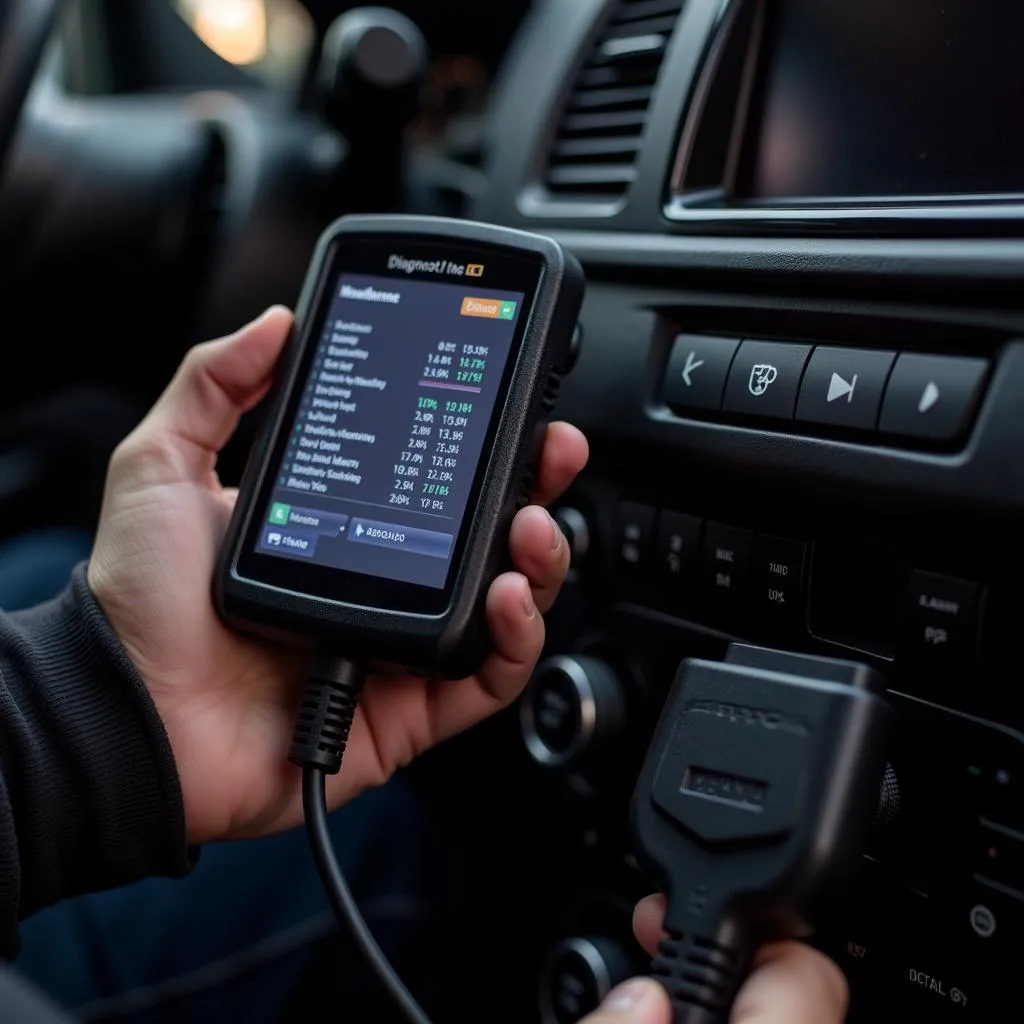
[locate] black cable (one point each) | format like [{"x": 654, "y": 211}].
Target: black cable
[
  {"x": 318, "y": 746},
  {"x": 314, "y": 804}
]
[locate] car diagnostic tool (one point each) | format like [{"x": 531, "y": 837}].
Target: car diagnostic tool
[
  {"x": 409, "y": 413},
  {"x": 402, "y": 435}
]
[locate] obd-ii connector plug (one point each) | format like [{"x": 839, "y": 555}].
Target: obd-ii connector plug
[{"x": 753, "y": 808}]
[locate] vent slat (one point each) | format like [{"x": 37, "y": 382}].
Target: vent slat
[
  {"x": 609, "y": 76},
  {"x": 612, "y": 99},
  {"x": 593, "y": 174},
  {"x": 595, "y": 151},
  {"x": 571, "y": 149},
  {"x": 643, "y": 27},
  {"x": 617, "y": 122},
  {"x": 641, "y": 9},
  {"x": 632, "y": 48}
]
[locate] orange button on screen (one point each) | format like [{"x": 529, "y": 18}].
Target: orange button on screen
[{"x": 490, "y": 308}]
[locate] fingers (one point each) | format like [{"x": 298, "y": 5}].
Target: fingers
[
  {"x": 215, "y": 385},
  {"x": 647, "y": 920},
  {"x": 539, "y": 550},
  {"x": 792, "y": 984},
  {"x": 565, "y": 454},
  {"x": 640, "y": 1001},
  {"x": 517, "y": 631},
  {"x": 540, "y": 553}
]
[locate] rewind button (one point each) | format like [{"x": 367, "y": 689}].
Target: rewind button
[
  {"x": 697, "y": 371},
  {"x": 843, "y": 387}
]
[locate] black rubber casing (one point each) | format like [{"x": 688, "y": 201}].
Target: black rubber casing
[
  {"x": 455, "y": 642},
  {"x": 791, "y": 751}
]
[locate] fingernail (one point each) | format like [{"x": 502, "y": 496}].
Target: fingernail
[
  {"x": 556, "y": 536},
  {"x": 634, "y": 997},
  {"x": 528, "y": 604}
]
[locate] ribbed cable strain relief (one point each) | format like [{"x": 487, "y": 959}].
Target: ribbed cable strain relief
[
  {"x": 325, "y": 716},
  {"x": 701, "y": 977}
]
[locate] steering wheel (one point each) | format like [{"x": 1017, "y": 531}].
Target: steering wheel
[{"x": 25, "y": 27}]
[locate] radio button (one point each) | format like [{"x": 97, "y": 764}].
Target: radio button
[
  {"x": 765, "y": 378},
  {"x": 940, "y": 621},
  {"x": 726, "y": 561},
  {"x": 697, "y": 370},
  {"x": 778, "y": 579},
  {"x": 677, "y": 546},
  {"x": 932, "y": 397},
  {"x": 634, "y": 535},
  {"x": 843, "y": 387}
]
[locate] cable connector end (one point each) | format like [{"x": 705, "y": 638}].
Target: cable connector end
[
  {"x": 326, "y": 714},
  {"x": 753, "y": 808}
]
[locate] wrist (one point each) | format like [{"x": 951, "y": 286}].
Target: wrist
[{"x": 93, "y": 777}]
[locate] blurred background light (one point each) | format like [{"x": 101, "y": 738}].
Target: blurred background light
[
  {"x": 271, "y": 38},
  {"x": 234, "y": 29}
]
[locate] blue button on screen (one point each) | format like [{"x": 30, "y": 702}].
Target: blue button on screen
[
  {"x": 285, "y": 541},
  {"x": 401, "y": 538}
]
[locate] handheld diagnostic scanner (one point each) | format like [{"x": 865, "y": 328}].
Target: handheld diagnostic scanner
[{"x": 401, "y": 436}]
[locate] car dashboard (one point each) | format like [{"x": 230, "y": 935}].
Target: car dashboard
[{"x": 801, "y": 371}]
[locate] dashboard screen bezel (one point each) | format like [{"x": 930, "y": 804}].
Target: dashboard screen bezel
[{"x": 723, "y": 208}]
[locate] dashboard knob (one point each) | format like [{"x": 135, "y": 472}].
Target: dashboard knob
[
  {"x": 576, "y": 531},
  {"x": 572, "y": 705},
  {"x": 372, "y": 69},
  {"x": 577, "y": 976}
]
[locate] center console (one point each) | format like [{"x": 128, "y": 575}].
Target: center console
[{"x": 801, "y": 372}]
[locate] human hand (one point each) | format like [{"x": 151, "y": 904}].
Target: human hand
[
  {"x": 227, "y": 701},
  {"x": 790, "y": 983}
]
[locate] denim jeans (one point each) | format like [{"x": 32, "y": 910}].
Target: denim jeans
[
  {"x": 36, "y": 567},
  {"x": 248, "y": 936}
]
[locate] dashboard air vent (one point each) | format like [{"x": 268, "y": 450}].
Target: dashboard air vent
[{"x": 595, "y": 149}]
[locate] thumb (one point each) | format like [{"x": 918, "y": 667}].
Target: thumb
[
  {"x": 640, "y": 1001},
  {"x": 218, "y": 382},
  {"x": 792, "y": 984}
]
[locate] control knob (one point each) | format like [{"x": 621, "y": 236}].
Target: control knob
[
  {"x": 577, "y": 976},
  {"x": 576, "y": 531},
  {"x": 373, "y": 68},
  {"x": 573, "y": 704}
]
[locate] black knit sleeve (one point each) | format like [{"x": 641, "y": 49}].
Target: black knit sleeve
[{"x": 89, "y": 793}]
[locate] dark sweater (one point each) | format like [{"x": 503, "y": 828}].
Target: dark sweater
[{"x": 89, "y": 793}]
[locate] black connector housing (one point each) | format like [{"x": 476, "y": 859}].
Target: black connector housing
[{"x": 753, "y": 808}]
